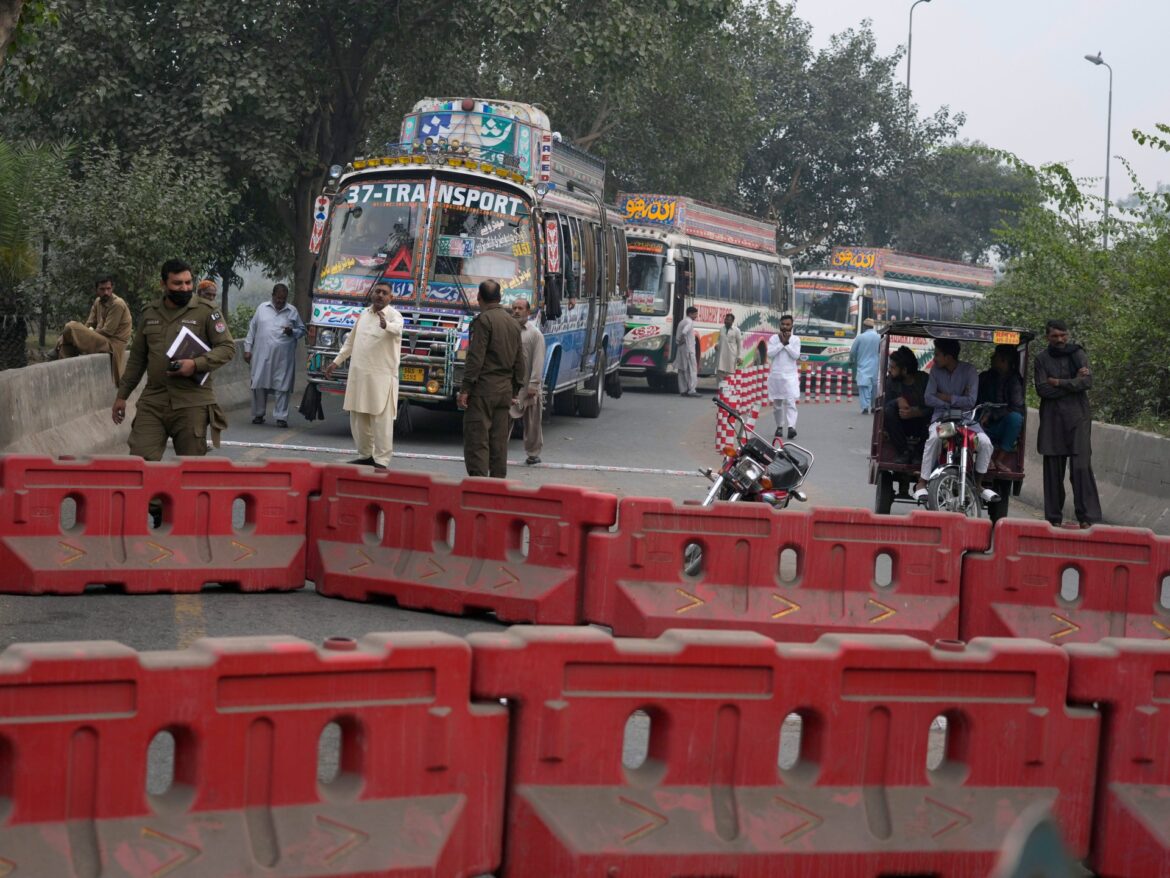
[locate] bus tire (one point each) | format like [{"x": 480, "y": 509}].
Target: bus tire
[
  {"x": 565, "y": 402},
  {"x": 590, "y": 406},
  {"x": 656, "y": 381}
]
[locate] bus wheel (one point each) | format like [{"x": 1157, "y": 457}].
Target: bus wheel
[
  {"x": 656, "y": 382},
  {"x": 590, "y": 406},
  {"x": 565, "y": 402}
]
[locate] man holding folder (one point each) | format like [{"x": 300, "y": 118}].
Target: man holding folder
[{"x": 179, "y": 342}]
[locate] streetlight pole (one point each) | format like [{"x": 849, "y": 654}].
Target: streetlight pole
[
  {"x": 1098, "y": 60},
  {"x": 909, "y": 45}
]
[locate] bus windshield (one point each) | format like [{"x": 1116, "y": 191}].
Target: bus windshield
[
  {"x": 823, "y": 309},
  {"x": 373, "y": 234},
  {"x": 480, "y": 234},
  {"x": 647, "y": 284}
]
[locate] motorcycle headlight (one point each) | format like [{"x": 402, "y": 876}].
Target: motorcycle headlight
[
  {"x": 326, "y": 338},
  {"x": 751, "y": 471},
  {"x": 947, "y": 429}
]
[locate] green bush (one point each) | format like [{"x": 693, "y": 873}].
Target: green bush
[{"x": 239, "y": 319}]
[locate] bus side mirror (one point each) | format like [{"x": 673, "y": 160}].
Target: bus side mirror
[{"x": 670, "y": 273}]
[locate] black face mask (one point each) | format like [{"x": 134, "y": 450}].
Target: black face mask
[{"x": 180, "y": 298}]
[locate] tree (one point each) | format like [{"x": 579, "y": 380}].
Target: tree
[
  {"x": 27, "y": 172},
  {"x": 951, "y": 202},
  {"x": 127, "y": 215}
]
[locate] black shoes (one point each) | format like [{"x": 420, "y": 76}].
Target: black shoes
[
  {"x": 259, "y": 419},
  {"x": 283, "y": 424},
  {"x": 791, "y": 432},
  {"x": 532, "y": 459},
  {"x": 363, "y": 461}
]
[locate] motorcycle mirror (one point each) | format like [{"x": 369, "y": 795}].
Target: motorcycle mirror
[{"x": 799, "y": 495}]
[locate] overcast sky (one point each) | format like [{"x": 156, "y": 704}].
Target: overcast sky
[{"x": 1017, "y": 69}]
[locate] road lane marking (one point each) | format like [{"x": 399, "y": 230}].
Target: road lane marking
[
  {"x": 457, "y": 458},
  {"x": 189, "y": 622}
]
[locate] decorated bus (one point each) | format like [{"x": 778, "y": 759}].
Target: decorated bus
[
  {"x": 885, "y": 285},
  {"x": 684, "y": 252},
  {"x": 473, "y": 190}
]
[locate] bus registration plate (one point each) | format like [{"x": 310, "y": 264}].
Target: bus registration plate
[
  {"x": 1006, "y": 337},
  {"x": 413, "y": 374}
]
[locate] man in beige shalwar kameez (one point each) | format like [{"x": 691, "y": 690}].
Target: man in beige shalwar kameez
[
  {"x": 373, "y": 348},
  {"x": 106, "y": 330}
]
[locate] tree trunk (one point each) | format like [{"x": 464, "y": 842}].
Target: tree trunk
[{"x": 9, "y": 16}]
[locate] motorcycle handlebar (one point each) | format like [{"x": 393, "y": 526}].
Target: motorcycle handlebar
[{"x": 730, "y": 411}]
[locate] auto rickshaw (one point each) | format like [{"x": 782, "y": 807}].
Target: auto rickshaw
[{"x": 894, "y": 479}]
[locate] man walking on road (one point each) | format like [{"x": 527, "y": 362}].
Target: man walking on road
[
  {"x": 684, "y": 354},
  {"x": 784, "y": 377},
  {"x": 373, "y": 348},
  {"x": 730, "y": 349},
  {"x": 106, "y": 330},
  {"x": 492, "y": 376},
  {"x": 1063, "y": 379},
  {"x": 178, "y": 402},
  {"x": 530, "y": 403},
  {"x": 271, "y": 348},
  {"x": 863, "y": 359}
]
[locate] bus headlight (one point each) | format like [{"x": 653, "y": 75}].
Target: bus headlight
[
  {"x": 326, "y": 337},
  {"x": 647, "y": 344}
]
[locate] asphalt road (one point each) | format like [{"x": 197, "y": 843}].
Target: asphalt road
[{"x": 641, "y": 430}]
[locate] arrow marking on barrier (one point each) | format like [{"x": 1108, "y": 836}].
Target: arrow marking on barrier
[
  {"x": 354, "y": 838},
  {"x": 695, "y": 601},
  {"x": 438, "y": 568},
  {"x": 7, "y": 867},
  {"x": 163, "y": 552},
  {"x": 1161, "y": 626},
  {"x": 657, "y": 821},
  {"x": 510, "y": 579},
  {"x": 185, "y": 852},
  {"x": 77, "y": 553},
  {"x": 1071, "y": 627},
  {"x": 248, "y": 551},
  {"x": 789, "y": 606},
  {"x": 881, "y": 617},
  {"x": 960, "y": 819},
  {"x": 808, "y": 825},
  {"x": 366, "y": 562}
]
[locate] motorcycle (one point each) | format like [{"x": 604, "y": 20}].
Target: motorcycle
[
  {"x": 951, "y": 484},
  {"x": 756, "y": 470}
]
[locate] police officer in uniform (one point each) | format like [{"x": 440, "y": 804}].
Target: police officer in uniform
[
  {"x": 492, "y": 376},
  {"x": 174, "y": 404}
]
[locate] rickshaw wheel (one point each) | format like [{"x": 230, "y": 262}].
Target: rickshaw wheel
[{"x": 884, "y": 495}]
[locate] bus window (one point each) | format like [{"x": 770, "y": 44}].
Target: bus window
[
  {"x": 724, "y": 278},
  {"x": 774, "y": 284},
  {"x": 893, "y": 305},
  {"x": 763, "y": 287},
  {"x": 573, "y": 258},
  {"x": 623, "y": 264},
  {"x": 931, "y": 306},
  {"x": 611, "y": 262},
  {"x": 589, "y": 266},
  {"x": 700, "y": 274}
]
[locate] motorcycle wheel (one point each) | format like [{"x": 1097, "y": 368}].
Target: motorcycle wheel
[
  {"x": 693, "y": 560},
  {"x": 943, "y": 494}
]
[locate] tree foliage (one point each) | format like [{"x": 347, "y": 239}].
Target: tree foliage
[{"x": 1114, "y": 300}]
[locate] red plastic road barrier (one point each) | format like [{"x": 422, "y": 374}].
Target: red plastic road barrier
[
  {"x": 639, "y": 582},
  {"x": 1131, "y": 680},
  {"x": 436, "y": 544},
  {"x": 1067, "y": 586},
  {"x": 417, "y": 785},
  {"x": 107, "y": 537},
  {"x": 855, "y": 795}
]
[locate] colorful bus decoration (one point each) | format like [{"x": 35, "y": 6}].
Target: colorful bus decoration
[
  {"x": 885, "y": 285},
  {"x": 474, "y": 190},
  {"x": 683, "y": 252}
]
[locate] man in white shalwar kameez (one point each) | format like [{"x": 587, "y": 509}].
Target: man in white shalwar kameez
[
  {"x": 684, "y": 354},
  {"x": 373, "y": 348},
  {"x": 271, "y": 349},
  {"x": 784, "y": 377}
]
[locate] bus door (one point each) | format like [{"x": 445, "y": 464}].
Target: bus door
[
  {"x": 680, "y": 299},
  {"x": 593, "y": 260}
]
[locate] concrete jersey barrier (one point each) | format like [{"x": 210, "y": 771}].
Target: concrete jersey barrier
[{"x": 63, "y": 406}]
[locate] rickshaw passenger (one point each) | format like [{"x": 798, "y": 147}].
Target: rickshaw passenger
[
  {"x": 906, "y": 414},
  {"x": 952, "y": 385},
  {"x": 1002, "y": 384}
]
